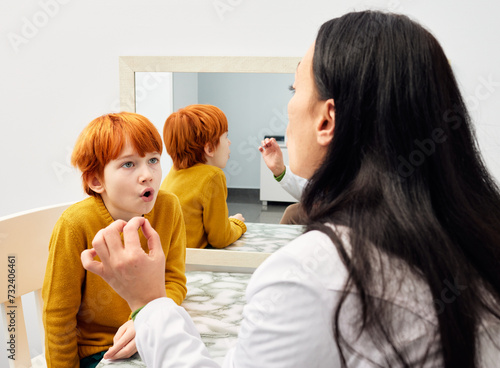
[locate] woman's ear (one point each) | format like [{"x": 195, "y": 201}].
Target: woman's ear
[
  {"x": 209, "y": 150},
  {"x": 326, "y": 127},
  {"x": 95, "y": 184}
]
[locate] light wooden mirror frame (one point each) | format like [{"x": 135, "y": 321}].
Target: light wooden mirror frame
[
  {"x": 129, "y": 65},
  {"x": 219, "y": 260}
]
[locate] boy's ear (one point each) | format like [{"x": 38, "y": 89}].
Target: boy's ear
[
  {"x": 95, "y": 184},
  {"x": 326, "y": 127},
  {"x": 209, "y": 150}
]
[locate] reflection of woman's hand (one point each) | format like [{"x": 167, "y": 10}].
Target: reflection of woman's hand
[
  {"x": 138, "y": 277},
  {"x": 272, "y": 155},
  {"x": 123, "y": 343}
]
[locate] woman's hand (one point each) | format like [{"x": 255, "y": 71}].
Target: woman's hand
[
  {"x": 272, "y": 155},
  {"x": 138, "y": 277}
]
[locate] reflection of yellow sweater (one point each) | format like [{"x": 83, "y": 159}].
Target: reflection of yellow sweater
[
  {"x": 81, "y": 313},
  {"x": 202, "y": 192}
]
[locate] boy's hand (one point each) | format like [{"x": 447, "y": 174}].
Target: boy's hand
[
  {"x": 273, "y": 157},
  {"x": 138, "y": 277},
  {"x": 123, "y": 343},
  {"x": 238, "y": 216}
]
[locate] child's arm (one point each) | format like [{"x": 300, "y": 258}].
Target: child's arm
[
  {"x": 220, "y": 229},
  {"x": 238, "y": 216},
  {"x": 61, "y": 294},
  {"x": 175, "y": 254},
  {"x": 123, "y": 343}
]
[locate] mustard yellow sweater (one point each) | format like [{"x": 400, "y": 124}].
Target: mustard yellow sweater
[
  {"x": 81, "y": 312},
  {"x": 202, "y": 191}
]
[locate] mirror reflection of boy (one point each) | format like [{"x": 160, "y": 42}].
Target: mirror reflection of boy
[
  {"x": 119, "y": 157},
  {"x": 196, "y": 139}
]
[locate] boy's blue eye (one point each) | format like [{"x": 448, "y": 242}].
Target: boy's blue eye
[
  {"x": 128, "y": 165},
  {"x": 154, "y": 160},
  {"x": 290, "y": 87}
]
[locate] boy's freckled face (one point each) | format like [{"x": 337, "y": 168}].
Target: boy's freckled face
[{"x": 131, "y": 183}]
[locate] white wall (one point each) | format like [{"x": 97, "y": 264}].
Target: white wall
[{"x": 59, "y": 66}]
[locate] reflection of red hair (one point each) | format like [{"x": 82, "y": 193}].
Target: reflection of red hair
[
  {"x": 187, "y": 131},
  {"x": 103, "y": 139}
]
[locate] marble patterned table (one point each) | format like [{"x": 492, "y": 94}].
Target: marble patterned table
[
  {"x": 215, "y": 300},
  {"x": 265, "y": 238},
  {"x": 245, "y": 254}
]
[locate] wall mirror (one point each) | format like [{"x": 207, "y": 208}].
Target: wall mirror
[{"x": 252, "y": 92}]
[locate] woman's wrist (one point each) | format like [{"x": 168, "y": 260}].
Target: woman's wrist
[
  {"x": 140, "y": 302},
  {"x": 135, "y": 312},
  {"x": 279, "y": 171},
  {"x": 280, "y": 175}
]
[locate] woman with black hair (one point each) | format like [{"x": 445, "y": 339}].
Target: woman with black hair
[{"x": 399, "y": 263}]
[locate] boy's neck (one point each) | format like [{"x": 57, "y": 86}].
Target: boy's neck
[{"x": 118, "y": 215}]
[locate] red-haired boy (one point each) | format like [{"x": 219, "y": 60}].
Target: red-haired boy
[
  {"x": 196, "y": 139},
  {"x": 119, "y": 156}
]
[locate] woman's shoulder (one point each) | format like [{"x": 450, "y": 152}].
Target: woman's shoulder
[
  {"x": 313, "y": 258},
  {"x": 310, "y": 258}
]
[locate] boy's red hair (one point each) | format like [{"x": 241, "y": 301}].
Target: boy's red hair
[
  {"x": 104, "y": 138},
  {"x": 187, "y": 131}
]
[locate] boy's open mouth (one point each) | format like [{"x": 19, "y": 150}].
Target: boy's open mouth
[{"x": 147, "y": 195}]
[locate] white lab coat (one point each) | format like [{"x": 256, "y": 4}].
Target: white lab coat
[
  {"x": 293, "y": 184},
  {"x": 288, "y": 319}
]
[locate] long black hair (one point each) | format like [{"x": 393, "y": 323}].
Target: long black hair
[{"x": 404, "y": 174}]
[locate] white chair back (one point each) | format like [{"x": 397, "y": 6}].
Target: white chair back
[{"x": 24, "y": 243}]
